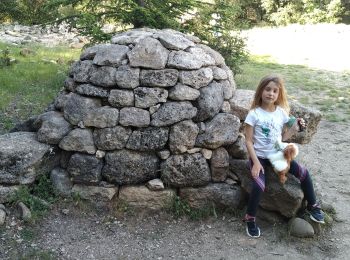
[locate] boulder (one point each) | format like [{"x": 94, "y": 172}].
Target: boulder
[
  {"x": 140, "y": 197},
  {"x": 285, "y": 199},
  {"x": 23, "y": 158}
]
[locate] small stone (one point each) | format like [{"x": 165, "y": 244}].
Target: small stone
[
  {"x": 2, "y": 217},
  {"x": 100, "y": 154},
  {"x": 206, "y": 153},
  {"x": 155, "y": 185},
  {"x": 25, "y": 211},
  {"x": 65, "y": 211},
  {"x": 164, "y": 154}
]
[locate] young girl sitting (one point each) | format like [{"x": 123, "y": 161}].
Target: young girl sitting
[{"x": 266, "y": 124}]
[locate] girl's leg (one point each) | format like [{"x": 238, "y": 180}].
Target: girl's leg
[
  {"x": 258, "y": 187},
  {"x": 306, "y": 185},
  {"x": 305, "y": 181}
]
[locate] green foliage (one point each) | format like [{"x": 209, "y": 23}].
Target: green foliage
[
  {"x": 36, "y": 197},
  {"x": 280, "y": 12},
  {"x": 28, "y": 12},
  {"x": 5, "y": 59},
  {"x": 181, "y": 208},
  {"x": 30, "y": 84}
]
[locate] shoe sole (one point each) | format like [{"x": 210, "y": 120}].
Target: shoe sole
[
  {"x": 317, "y": 221},
  {"x": 246, "y": 229}
]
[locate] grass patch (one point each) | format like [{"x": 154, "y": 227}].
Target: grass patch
[
  {"x": 181, "y": 208},
  {"x": 327, "y": 91},
  {"x": 37, "y": 197},
  {"x": 30, "y": 83}
]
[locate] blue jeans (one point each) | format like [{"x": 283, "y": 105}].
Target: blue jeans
[{"x": 258, "y": 186}]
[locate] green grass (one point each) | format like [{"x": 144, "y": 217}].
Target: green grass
[
  {"x": 32, "y": 82},
  {"x": 327, "y": 91}
]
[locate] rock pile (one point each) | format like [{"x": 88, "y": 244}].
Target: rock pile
[
  {"x": 154, "y": 107},
  {"x": 48, "y": 35}
]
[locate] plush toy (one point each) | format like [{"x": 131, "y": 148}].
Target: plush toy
[{"x": 280, "y": 160}]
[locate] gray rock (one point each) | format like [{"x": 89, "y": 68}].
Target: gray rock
[
  {"x": 130, "y": 167},
  {"x": 61, "y": 100},
  {"x": 112, "y": 138},
  {"x": 285, "y": 199},
  {"x": 228, "y": 89},
  {"x": 132, "y": 116},
  {"x": 196, "y": 78},
  {"x": 110, "y": 55},
  {"x": 91, "y": 90},
  {"x": 184, "y": 60},
  {"x": 238, "y": 149},
  {"x": 77, "y": 107},
  {"x": 173, "y": 112},
  {"x": 53, "y": 127},
  {"x": 148, "y": 139},
  {"x": 219, "y": 60},
  {"x": 183, "y": 136},
  {"x": 2, "y": 216},
  {"x": 132, "y": 36},
  {"x": 219, "y": 73},
  {"x": 214, "y": 195},
  {"x": 219, "y": 165},
  {"x": 155, "y": 185},
  {"x": 182, "y": 92},
  {"x": 148, "y": 97},
  {"x": 209, "y": 102},
  {"x": 139, "y": 197},
  {"x": 84, "y": 168},
  {"x": 148, "y": 53},
  {"x": 7, "y": 192},
  {"x": 163, "y": 154},
  {"x": 26, "y": 215},
  {"x": 61, "y": 181},
  {"x": 79, "y": 140},
  {"x": 103, "y": 76},
  {"x": 95, "y": 193},
  {"x": 121, "y": 98},
  {"x": 127, "y": 77},
  {"x": 80, "y": 71},
  {"x": 159, "y": 78},
  {"x": 299, "y": 227},
  {"x": 203, "y": 55},
  {"x": 102, "y": 117},
  {"x": 185, "y": 170},
  {"x": 222, "y": 130},
  {"x": 173, "y": 41},
  {"x": 312, "y": 118},
  {"x": 70, "y": 84},
  {"x": 241, "y": 102},
  {"x": 22, "y": 158},
  {"x": 89, "y": 53}
]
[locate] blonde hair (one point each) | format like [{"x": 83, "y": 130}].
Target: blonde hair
[{"x": 282, "y": 94}]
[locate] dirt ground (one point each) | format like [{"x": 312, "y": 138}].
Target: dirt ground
[{"x": 80, "y": 232}]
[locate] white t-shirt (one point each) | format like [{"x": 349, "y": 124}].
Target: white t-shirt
[{"x": 267, "y": 129}]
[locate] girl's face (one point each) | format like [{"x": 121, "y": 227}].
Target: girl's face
[{"x": 270, "y": 94}]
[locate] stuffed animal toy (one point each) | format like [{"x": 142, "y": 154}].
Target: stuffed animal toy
[{"x": 285, "y": 153}]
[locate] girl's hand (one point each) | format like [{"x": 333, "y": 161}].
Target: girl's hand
[
  {"x": 256, "y": 170},
  {"x": 301, "y": 124}
]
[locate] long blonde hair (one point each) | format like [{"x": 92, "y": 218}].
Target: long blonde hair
[{"x": 282, "y": 94}]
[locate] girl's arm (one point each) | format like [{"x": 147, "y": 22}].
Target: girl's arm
[{"x": 257, "y": 167}]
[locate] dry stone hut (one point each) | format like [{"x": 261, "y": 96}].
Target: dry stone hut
[{"x": 152, "y": 115}]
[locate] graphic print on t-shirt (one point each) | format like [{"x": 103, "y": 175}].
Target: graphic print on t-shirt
[{"x": 269, "y": 129}]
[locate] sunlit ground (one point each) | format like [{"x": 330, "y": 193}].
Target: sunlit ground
[{"x": 321, "y": 46}]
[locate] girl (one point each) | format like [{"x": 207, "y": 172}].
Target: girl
[{"x": 267, "y": 123}]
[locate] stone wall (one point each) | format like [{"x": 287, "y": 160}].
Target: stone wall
[{"x": 152, "y": 115}]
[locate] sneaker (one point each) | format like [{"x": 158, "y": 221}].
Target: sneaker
[
  {"x": 316, "y": 214},
  {"x": 252, "y": 229}
]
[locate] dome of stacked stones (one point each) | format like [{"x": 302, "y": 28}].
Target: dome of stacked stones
[{"x": 152, "y": 104}]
